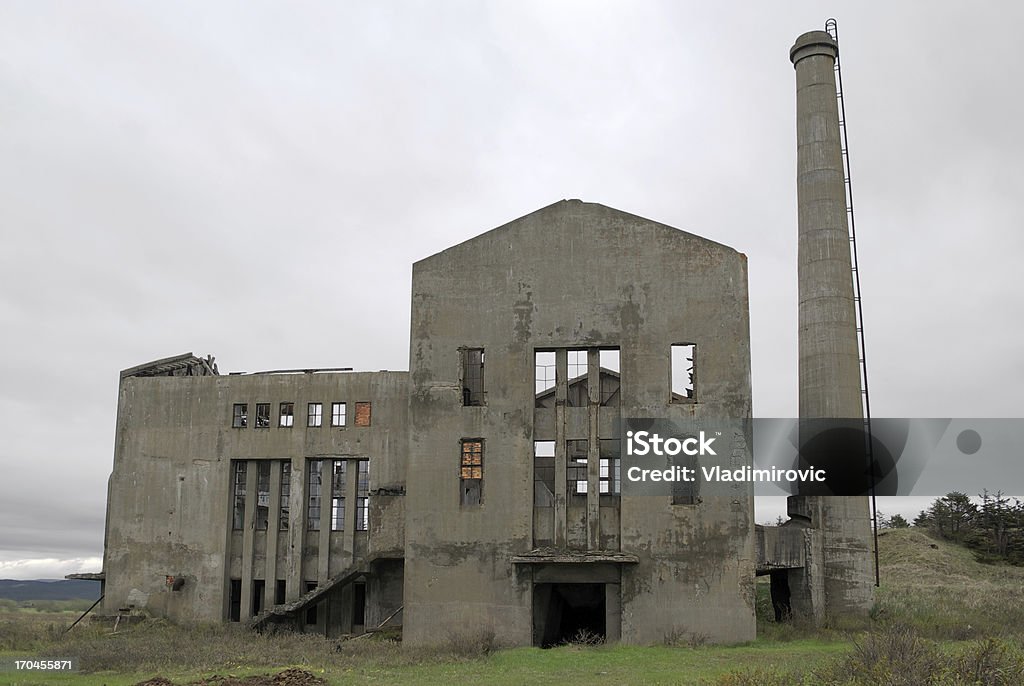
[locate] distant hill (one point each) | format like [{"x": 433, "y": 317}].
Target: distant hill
[{"x": 49, "y": 589}]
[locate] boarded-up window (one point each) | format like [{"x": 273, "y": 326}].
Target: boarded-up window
[
  {"x": 362, "y": 414},
  {"x": 471, "y": 471}
]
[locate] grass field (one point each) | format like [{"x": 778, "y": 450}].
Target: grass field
[{"x": 934, "y": 614}]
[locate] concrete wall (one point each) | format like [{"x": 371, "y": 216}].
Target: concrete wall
[
  {"x": 170, "y": 493},
  {"x": 572, "y": 275}
]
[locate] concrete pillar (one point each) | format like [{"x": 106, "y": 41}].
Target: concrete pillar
[
  {"x": 561, "y": 496},
  {"x": 593, "y": 451},
  {"x": 829, "y": 367}
]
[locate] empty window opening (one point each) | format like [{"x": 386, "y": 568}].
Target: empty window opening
[
  {"x": 262, "y": 415},
  {"x": 259, "y": 589},
  {"x": 314, "y": 494},
  {"x": 363, "y": 495},
  {"x": 568, "y": 612},
  {"x": 471, "y": 471},
  {"x": 337, "y": 414},
  {"x": 262, "y": 494},
  {"x": 576, "y": 466},
  {"x": 683, "y": 356},
  {"x": 338, "y": 484},
  {"x": 543, "y": 473},
  {"x": 544, "y": 374},
  {"x": 610, "y": 376},
  {"x": 238, "y": 518},
  {"x": 314, "y": 414},
  {"x": 362, "y": 414},
  {"x": 358, "y": 604},
  {"x": 609, "y": 467},
  {"x": 311, "y": 612},
  {"x": 577, "y": 392},
  {"x": 240, "y": 416},
  {"x": 286, "y": 492},
  {"x": 235, "y": 601},
  {"x": 472, "y": 377},
  {"x": 287, "y": 415},
  {"x": 279, "y": 591}
]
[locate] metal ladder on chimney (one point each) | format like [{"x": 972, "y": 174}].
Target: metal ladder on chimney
[{"x": 832, "y": 29}]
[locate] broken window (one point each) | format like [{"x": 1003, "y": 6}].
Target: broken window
[
  {"x": 543, "y": 473},
  {"x": 610, "y": 376},
  {"x": 337, "y": 414},
  {"x": 313, "y": 495},
  {"x": 544, "y": 375},
  {"x": 287, "y": 415},
  {"x": 262, "y": 494},
  {"x": 472, "y": 377},
  {"x": 240, "y": 418},
  {"x": 286, "y": 492},
  {"x": 238, "y": 520},
  {"x": 609, "y": 466},
  {"x": 683, "y": 355},
  {"x": 363, "y": 495},
  {"x": 338, "y": 483},
  {"x": 471, "y": 471},
  {"x": 577, "y": 393},
  {"x": 314, "y": 414},
  {"x": 576, "y": 466},
  {"x": 362, "y": 414},
  {"x": 262, "y": 415}
]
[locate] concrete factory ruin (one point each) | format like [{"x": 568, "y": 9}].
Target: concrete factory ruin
[{"x": 479, "y": 491}]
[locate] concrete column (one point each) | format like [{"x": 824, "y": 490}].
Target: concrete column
[
  {"x": 273, "y": 527},
  {"x": 323, "y": 567},
  {"x": 248, "y": 535},
  {"x": 297, "y": 529},
  {"x": 593, "y": 451},
  {"x": 561, "y": 499},
  {"x": 829, "y": 366}
]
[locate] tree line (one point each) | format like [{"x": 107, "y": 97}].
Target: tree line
[{"x": 993, "y": 529}]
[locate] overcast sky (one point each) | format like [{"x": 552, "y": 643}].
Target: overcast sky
[{"x": 253, "y": 180}]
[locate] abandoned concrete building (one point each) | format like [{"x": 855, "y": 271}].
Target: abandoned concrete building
[{"x": 479, "y": 491}]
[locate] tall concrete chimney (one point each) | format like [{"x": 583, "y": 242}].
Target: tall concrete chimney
[{"x": 838, "y": 579}]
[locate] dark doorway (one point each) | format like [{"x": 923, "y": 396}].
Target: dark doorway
[
  {"x": 780, "y": 595},
  {"x": 259, "y": 588},
  {"x": 358, "y": 604},
  {"x": 235, "y": 601},
  {"x": 564, "y": 613}
]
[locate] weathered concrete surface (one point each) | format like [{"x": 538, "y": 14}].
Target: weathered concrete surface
[
  {"x": 829, "y": 372},
  {"x": 572, "y": 276},
  {"x": 170, "y": 493}
]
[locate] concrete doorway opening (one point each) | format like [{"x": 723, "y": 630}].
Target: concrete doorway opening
[{"x": 564, "y": 613}]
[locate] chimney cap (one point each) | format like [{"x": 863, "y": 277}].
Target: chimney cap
[{"x": 813, "y": 43}]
